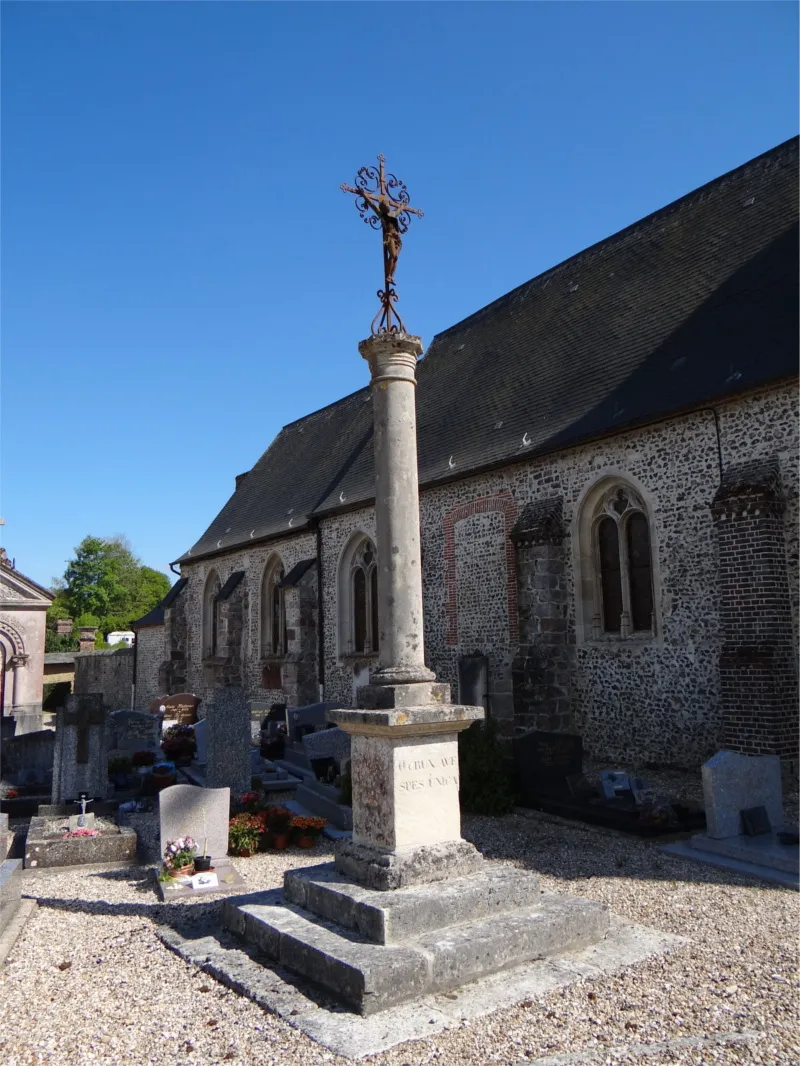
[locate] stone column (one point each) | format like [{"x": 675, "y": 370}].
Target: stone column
[{"x": 392, "y": 359}]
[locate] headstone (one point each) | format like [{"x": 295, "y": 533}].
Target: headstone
[
  {"x": 180, "y": 709},
  {"x": 228, "y": 760},
  {"x": 80, "y": 763},
  {"x": 202, "y": 813},
  {"x": 135, "y": 731},
  {"x": 733, "y": 783},
  {"x": 309, "y": 719},
  {"x": 328, "y": 744},
  {"x": 201, "y": 742},
  {"x": 543, "y": 762}
]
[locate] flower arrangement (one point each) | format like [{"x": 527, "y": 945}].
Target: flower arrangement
[
  {"x": 179, "y": 855},
  {"x": 279, "y": 819},
  {"x": 12, "y": 794},
  {"x": 119, "y": 766},
  {"x": 251, "y": 801},
  {"x": 306, "y": 830},
  {"x": 244, "y": 833},
  {"x": 68, "y": 834},
  {"x": 143, "y": 758},
  {"x": 178, "y": 742}
]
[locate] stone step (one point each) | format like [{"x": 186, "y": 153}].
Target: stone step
[
  {"x": 391, "y": 917},
  {"x": 371, "y": 977}
]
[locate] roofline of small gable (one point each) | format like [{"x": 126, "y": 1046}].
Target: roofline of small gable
[
  {"x": 26, "y": 581},
  {"x": 660, "y": 214}
]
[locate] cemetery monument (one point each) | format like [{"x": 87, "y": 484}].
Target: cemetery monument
[{"x": 408, "y": 907}]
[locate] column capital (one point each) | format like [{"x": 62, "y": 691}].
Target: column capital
[{"x": 392, "y": 356}]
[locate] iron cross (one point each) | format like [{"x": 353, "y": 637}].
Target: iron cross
[{"x": 383, "y": 203}]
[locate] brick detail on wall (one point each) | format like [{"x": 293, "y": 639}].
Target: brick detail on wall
[
  {"x": 758, "y": 672},
  {"x": 502, "y": 502}
]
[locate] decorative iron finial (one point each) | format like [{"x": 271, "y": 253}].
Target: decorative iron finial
[{"x": 384, "y": 207}]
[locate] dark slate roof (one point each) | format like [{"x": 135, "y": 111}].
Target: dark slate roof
[
  {"x": 297, "y": 572},
  {"x": 155, "y": 617},
  {"x": 234, "y": 580},
  {"x": 695, "y": 303}
]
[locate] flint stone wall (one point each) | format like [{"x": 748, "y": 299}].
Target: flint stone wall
[{"x": 656, "y": 700}]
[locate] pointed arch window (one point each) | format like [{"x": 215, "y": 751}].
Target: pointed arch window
[
  {"x": 211, "y": 615},
  {"x": 623, "y": 594},
  {"x": 358, "y": 598},
  {"x": 273, "y": 609}
]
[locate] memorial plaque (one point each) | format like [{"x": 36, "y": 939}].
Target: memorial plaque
[
  {"x": 180, "y": 709},
  {"x": 614, "y": 783}
]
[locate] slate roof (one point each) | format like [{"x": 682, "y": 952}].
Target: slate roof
[
  {"x": 695, "y": 303},
  {"x": 155, "y": 616}
]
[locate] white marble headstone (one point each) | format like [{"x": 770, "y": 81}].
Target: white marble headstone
[{"x": 187, "y": 810}]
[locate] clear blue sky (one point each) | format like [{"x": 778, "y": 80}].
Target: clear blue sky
[{"x": 182, "y": 275}]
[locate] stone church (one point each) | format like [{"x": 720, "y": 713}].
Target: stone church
[{"x": 608, "y": 467}]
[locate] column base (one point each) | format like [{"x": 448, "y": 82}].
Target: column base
[
  {"x": 384, "y": 696},
  {"x": 389, "y": 870}
]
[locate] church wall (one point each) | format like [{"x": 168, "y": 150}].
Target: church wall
[
  {"x": 150, "y": 653},
  {"x": 23, "y": 629},
  {"x": 252, "y": 670},
  {"x": 652, "y": 700}
]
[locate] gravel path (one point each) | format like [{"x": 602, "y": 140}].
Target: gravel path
[{"x": 88, "y": 981}]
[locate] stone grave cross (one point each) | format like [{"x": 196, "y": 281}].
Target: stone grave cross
[{"x": 85, "y": 711}]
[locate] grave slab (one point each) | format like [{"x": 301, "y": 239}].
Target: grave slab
[
  {"x": 229, "y": 881},
  {"x": 683, "y": 850},
  {"x": 44, "y": 849},
  {"x": 14, "y": 909},
  {"x": 762, "y": 851},
  {"x": 732, "y": 783}
]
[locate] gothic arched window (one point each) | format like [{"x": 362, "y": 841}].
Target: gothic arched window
[
  {"x": 616, "y": 579},
  {"x": 358, "y": 598},
  {"x": 273, "y": 609},
  {"x": 210, "y": 614}
]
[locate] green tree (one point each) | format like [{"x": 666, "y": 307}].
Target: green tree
[{"x": 107, "y": 581}]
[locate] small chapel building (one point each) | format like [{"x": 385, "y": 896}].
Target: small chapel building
[{"x": 608, "y": 468}]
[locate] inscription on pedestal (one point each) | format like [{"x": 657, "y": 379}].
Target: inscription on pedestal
[{"x": 416, "y": 775}]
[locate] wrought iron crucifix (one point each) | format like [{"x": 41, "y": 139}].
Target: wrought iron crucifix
[{"x": 382, "y": 201}]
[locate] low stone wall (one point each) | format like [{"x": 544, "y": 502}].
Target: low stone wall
[
  {"x": 30, "y": 753},
  {"x": 107, "y": 672}
]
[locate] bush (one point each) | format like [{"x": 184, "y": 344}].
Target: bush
[{"x": 485, "y": 776}]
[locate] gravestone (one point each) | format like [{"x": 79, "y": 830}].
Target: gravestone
[
  {"x": 180, "y": 709},
  {"x": 309, "y": 719},
  {"x": 543, "y": 762},
  {"x": 733, "y": 783},
  {"x": 201, "y": 742},
  {"x": 135, "y": 731},
  {"x": 202, "y": 813},
  {"x": 328, "y": 744},
  {"x": 228, "y": 760},
  {"x": 80, "y": 762}
]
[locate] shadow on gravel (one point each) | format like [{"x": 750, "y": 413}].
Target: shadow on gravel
[{"x": 576, "y": 852}]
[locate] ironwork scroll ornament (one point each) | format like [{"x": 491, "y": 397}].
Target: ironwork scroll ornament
[{"x": 382, "y": 201}]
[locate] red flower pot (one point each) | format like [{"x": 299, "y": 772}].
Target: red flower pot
[
  {"x": 305, "y": 842},
  {"x": 280, "y": 841}
]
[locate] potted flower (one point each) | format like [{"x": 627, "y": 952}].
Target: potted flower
[
  {"x": 119, "y": 767},
  {"x": 141, "y": 759},
  {"x": 244, "y": 831},
  {"x": 251, "y": 801},
  {"x": 306, "y": 831},
  {"x": 279, "y": 819},
  {"x": 163, "y": 775},
  {"x": 179, "y": 858},
  {"x": 178, "y": 743}
]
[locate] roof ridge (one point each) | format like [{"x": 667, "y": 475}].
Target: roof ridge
[{"x": 662, "y": 213}]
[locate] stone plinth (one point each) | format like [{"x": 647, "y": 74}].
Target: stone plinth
[
  {"x": 406, "y": 816},
  {"x": 44, "y": 849}
]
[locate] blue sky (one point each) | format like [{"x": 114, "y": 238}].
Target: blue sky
[{"x": 181, "y": 274}]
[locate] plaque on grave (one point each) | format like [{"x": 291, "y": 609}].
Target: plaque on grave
[
  {"x": 543, "y": 762},
  {"x": 180, "y": 709},
  {"x": 755, "y": 822},
  {"x": 615, "y": 784}
]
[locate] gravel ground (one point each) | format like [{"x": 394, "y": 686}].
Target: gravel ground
[{"x": 88, "y": 981}]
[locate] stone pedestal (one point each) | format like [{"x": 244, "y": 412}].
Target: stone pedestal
[{"x": 406, "y": 816}]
